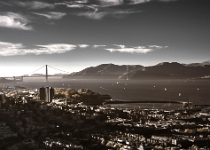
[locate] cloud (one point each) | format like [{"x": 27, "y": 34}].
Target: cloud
[
  {"x": 100, "y": 14},
  {"x": 157, "y": 46},
  {"x": 83, "y": 45},
  {"x": 93, "y": 15},
  {"x": 7, "y": 49},
  {"x": 96, "y": 46},
  {"x": 70, "y": 4},
  {"x": 5, "y": 3},
  {"x": 35, "y": 4},
  {"x": 145, "y": 1},
  {"x": 121, "y": 46},
  {"x": 107, "y": 3},
  {"x": 52, "y": 15},
  {"x": 124, "y": 12},
  {"x": 75, "y": 5},
  {"x": 90, "y": 11},
  {"x": 138, "y": 49},
  {"x": 97, "y": 9},
  {"x": 53, "y": 48},
  {"x": 11, "y": 49},
  {"x": 14, "y": 20},
  {"x": 82, "y": 1},
  {"x": 139, "y": 1},
  {"x": 130, "y": 50}
]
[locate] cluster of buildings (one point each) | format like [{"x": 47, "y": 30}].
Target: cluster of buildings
[{"x": 39, "y": 121}]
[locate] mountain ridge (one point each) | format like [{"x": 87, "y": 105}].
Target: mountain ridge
[{"x": 172, "y": 70}]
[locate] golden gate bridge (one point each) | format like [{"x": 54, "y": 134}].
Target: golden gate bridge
[{"x": 20, "y": 78}]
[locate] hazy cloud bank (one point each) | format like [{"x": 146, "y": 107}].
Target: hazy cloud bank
[{"x": 10, "y": 49}]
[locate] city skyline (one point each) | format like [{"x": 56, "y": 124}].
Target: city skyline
[{"x": 73, "y": 35}]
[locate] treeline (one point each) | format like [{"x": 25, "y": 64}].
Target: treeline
[{"x": 82, "y": 95}]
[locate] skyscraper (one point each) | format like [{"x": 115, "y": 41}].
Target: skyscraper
[{"x": 46, "y": 94}]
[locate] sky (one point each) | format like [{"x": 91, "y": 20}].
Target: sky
[{"x": 74, "y": 34}]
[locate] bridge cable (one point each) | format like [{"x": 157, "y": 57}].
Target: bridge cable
[
  {"x": 58, "y": 69},
  {"x": 37, "y": 70}
]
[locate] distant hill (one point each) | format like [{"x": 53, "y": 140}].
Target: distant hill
[
  {"x": 105, "y": 71},
  {"x": 198, "y": 64},
  {"x": 173, "y": 70},
  {"x": 164, "y": 70}
]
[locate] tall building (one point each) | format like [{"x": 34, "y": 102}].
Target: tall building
[
  {"x": 0, "y": 100},
  {"x": 42, "y": 93},
  {"x": 46, "y": 94}
]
